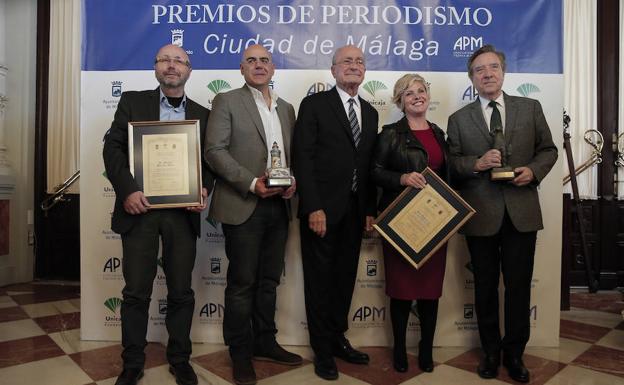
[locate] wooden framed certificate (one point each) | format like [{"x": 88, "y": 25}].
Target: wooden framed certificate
[
  {"x": 419, "y": 221},
  {"x": 165, "y": 160}
]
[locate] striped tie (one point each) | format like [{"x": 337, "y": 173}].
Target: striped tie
[{"x": 355, "y": 130}]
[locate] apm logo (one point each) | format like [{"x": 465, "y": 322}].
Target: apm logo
[
  {"x": 373, "y": 86},
  {"x": 533, "y": 313},
  {"x": 319, "y": 87},
  {"x": 468, "y": 311},
  {"x": 177, "y": 37},
  {"x": 212, "y": 310},
  {"x": 369, "y": 314},
  {"x": 218, "y": 85},
  {"x": 371, "y": 267},
  {"x": 467, "y": 44},
  {"x": 113, "y": 304},
  {"x": 111, "y": 265},
  {"x": 215, "y": 265},
  {"x": 470, "y": 94},
  {"x": 527, "y": 89},
  {"x": 116, "y": 88}
]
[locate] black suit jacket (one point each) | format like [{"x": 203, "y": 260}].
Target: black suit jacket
[
  {"x": 324, "y": 156},
  {"x": 141, "y": 106}
]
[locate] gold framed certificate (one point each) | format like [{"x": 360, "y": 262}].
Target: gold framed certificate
[
  {"x": 165, "y": 160},
  {"x": 419, "y": 221}
]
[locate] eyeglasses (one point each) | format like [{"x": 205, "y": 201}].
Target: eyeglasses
[
  {"x": 176, "y": 61},
  {"x": 349, "y": 62},
  {"x": 254, "y": 60}
]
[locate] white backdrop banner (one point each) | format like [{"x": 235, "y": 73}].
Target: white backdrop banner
[{"x": 433, "y": 38}]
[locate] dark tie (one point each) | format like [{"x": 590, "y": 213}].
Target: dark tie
[
  {"x": 496, "y": 123},
  {"x": 355, "y": 130}
]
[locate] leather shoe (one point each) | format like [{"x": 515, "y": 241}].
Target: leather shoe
[
  {"x": 183, "y": 373},
  {"x": 243, "y": 372},
  {"x": 516, "y": 369},
  {"x": 399, "y": 360},
  {"x": 426, "y": 365},
  {"x": 277, "y": 354},
  {"x": 488, "y": 367},
  {"x": 326, "y": 368},
  {"x": 129, "y": 376},
  {"x": 342, "y": 349}
]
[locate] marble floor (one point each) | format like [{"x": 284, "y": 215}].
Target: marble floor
[{"x": 40, "y": 344}]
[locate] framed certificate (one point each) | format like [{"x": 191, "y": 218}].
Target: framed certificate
[
  {"x": 165, "y": 160},
  {"x": 419, "y": 221}
]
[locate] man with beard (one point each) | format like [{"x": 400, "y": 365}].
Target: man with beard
[{"x": 142, "y": 229}]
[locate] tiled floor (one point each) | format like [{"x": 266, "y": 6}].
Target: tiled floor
[{"x": 40, "y": 344}]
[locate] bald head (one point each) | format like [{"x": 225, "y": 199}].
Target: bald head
[
  {"x": 172, "y": 69},
  {"x": 257, "y": 67}
]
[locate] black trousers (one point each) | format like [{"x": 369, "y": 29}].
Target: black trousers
[
  {"x": 139, "y": 264},
  {"x": 255, "y": 251},
  {"x": 512, "y": 253},
  {"x": 329, "y": 269}
]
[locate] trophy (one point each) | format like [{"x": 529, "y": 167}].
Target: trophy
[
  {"x": 278, "y": 176},
  {"x": 503, "y": 173}
]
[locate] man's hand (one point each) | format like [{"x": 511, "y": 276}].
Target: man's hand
[
  {"x": 524, "y": 176},
  {"x": 289, "y": 192},
  {"x": 413, "y": 179},
  {"x": 318, "y": 222},
  {"x": 204, "y": 202},
  {"x": 136, "y": 203},
  {"x": 488, "y": 160},
  {"x": 261, "y": 190}
]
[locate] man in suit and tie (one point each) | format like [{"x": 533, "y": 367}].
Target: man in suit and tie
[
  {"x": 142, "y": 229},
  {"x": 243, "y": 126},
  {"x": 502, "y": 234},
  {"x": 334, "y": 138}
]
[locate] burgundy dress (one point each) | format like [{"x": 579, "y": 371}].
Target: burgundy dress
[{"x": 404, "y": 281}]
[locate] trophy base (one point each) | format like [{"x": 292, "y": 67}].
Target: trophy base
[
  {"x": 279, "y": 182},
  {"x": 502, "y": 174}
]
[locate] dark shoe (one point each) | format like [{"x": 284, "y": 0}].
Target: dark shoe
[
  {"x": 183, "y": 373},
  {"x": 399, "y": 360},
  {"x": 343, "y": 350},
  {"x": 326, "y": 368},
  {"x": 129, "y": 376},
  {"x": 243, "y": 372},
  {"x": 279, "y": 355},
  {"x": 488, "y": 367},
  {"x": 425, "y": 364},
  {"x": 516, "y": 369}
]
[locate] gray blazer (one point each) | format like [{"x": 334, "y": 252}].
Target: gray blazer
[
  {"x": 530, "y": 144},
  {"x": 236, "y": 150}
]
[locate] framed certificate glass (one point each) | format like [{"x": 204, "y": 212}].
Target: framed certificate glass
[
  {"x": 165, "y": 160},
  {"x": 419, "y": 221}
]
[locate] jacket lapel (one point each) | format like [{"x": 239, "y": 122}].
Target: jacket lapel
[
  {"x": 336, "y": 105},
  {"x": 511, "y": 111},
  {"x": 477, "y": 116},
  {"x": 250, "y": 105},
  {"x": 154, "y": 105},
  {"x": 285, "y": 124}
]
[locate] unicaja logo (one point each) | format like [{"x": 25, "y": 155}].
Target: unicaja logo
[
  {"x": 218, "y": 85},
  {"x": 177, "y": 37},
  {"x": 116, "y": 88},
  {"x": 373, "y": 86},
  {"x": 113, "y": 304},
  {"x": 527, "y": 89}
]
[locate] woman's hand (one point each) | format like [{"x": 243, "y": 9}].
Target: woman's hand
[{"x": 413, "y": 179}]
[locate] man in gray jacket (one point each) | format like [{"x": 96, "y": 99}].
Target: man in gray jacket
[
  {"x": 500, "y": 130},
  {"x": 244, "y": 125}
]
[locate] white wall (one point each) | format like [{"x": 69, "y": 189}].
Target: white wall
[{"x": 19, "y": 35}]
